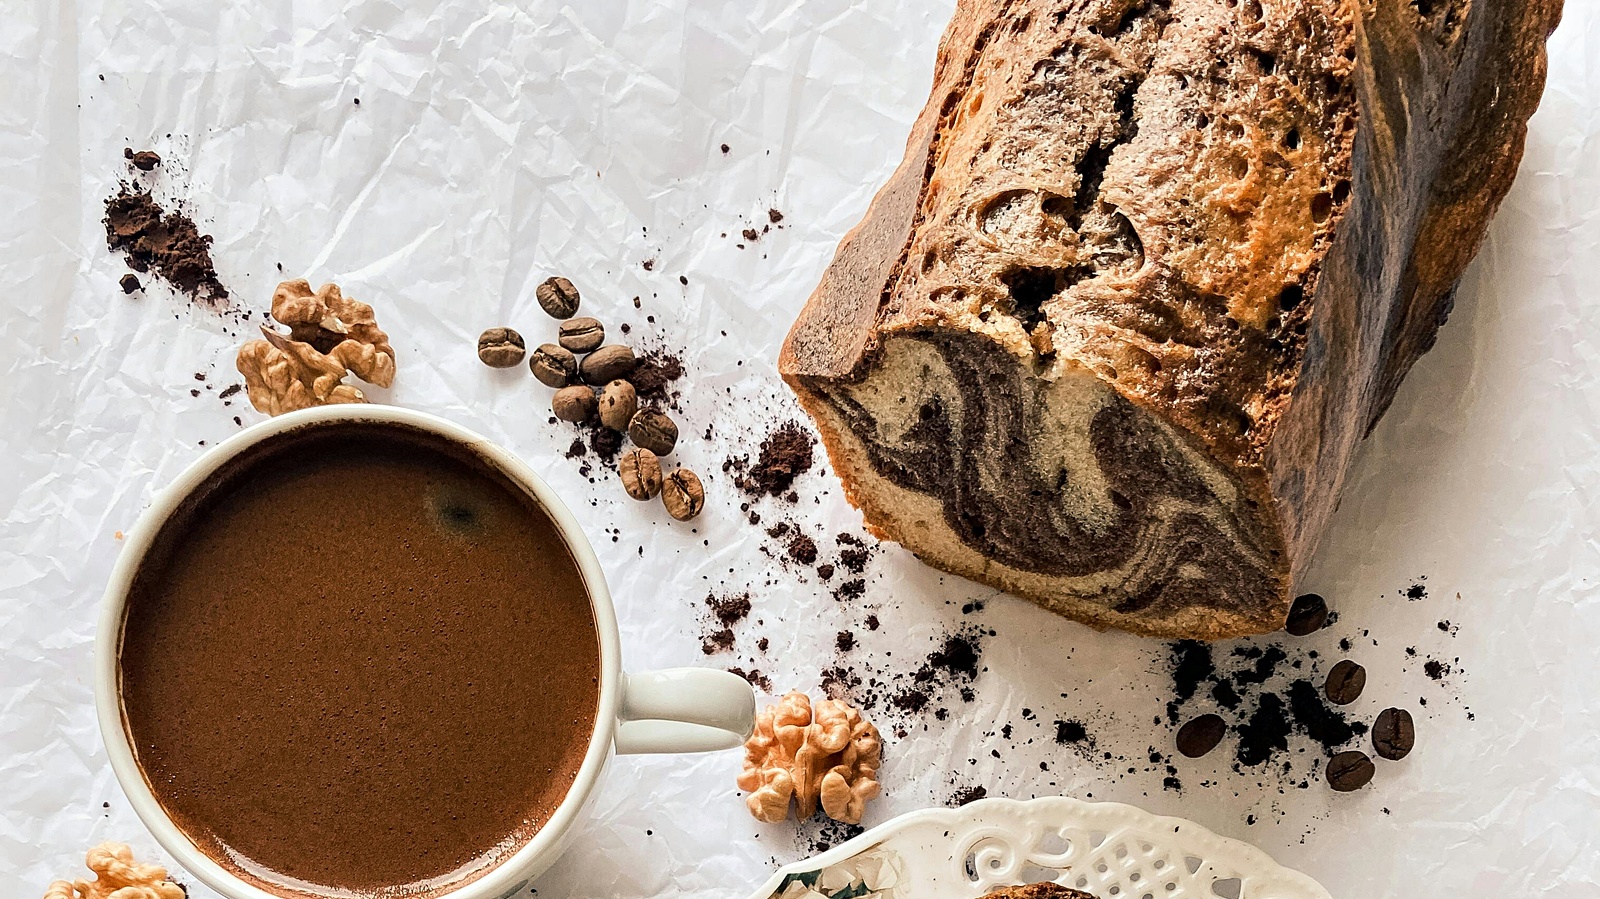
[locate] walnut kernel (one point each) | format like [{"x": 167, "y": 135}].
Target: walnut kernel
[
  {"x": 117, "y": 876},
  {"x": 330, "y": 335},
  {"x": 825, "y": 754}
]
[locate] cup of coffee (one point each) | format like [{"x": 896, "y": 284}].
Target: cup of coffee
[{"x": 359, "y": 651}]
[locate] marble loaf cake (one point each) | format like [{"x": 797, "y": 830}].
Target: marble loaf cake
[{"x": 1150, "y": 270}]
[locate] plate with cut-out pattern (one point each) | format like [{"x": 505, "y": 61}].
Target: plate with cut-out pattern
[{"x": 1106, "y": 849}]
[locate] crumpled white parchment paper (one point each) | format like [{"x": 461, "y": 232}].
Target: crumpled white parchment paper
[{"x": 495, "y": 144}]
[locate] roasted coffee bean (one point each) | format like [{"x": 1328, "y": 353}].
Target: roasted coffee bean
[
  {"x": 554, "y": 366},
  {"x": 1308, "y": 615},
  {"x": 501, "y": 347},
  {"x": 575, "y": 403},
  {"x": 607, "y": 364},
  {"x": 640, "y": 471},
  {"x": 558, "y": 297},
  {"x": 1201, "y": 735},
  {"x": 1393, "y": 734},
  {"x": 682, "y": 494},
  {"x": 1345, "y": 682},
  {"x": 653, "y": 430},
  {"x": 1350, "y": 770},
  {"x": 581, "y": 335},
  {"x": 618, "y": 401}
]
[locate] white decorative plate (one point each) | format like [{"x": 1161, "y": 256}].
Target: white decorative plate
[{"x": 1106, "y": 849}]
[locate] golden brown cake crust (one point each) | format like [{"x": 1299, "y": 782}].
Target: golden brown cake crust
[{"x": 1110, "y": 334}]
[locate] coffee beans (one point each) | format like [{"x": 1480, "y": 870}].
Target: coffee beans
[
  {"x": 501, "y": 348},
  {"x": 1201, "y": 735},
  {"x": 618, "y": 401},
  {"x": 640, "y": 471},
  {"x": 558, "y": 297},
  {"x": 653, "y": 430},
  {"x": 1393, "y": 734},
  {"x": 1308, "y": 615},
  {"x": 553, "y": 365},
  {"x": 682, "y": 494},
  {"x": 1350, "y": 770},
  {"x": 607, "y": 364},
  {"x": 597, "y": 393},
  {"x": 581, "y": 335},
  {"x": 575, "y": 403},
  {"x": 1345, "y": 682}
]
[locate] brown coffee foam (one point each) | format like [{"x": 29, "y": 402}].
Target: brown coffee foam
[{"x": 339, "y": 664}]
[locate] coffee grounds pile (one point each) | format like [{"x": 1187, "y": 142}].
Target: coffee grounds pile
[
  {"x": 1265, "y": 696},
  {"x": 964, "y": 795},
  {"x": 654, "y": 378},
  {"x": 169, "y": 244},
  {"x": 755, "y": 677},
  {"x": 723, "y": 612},
  {"x": 785, "y": 455}
]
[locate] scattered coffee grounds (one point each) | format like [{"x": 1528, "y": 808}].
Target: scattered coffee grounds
[
  {"x": 825, "y": 570},
  {"x": 966, "y": 795},
  {"x": 774, "y": 216},
  {"x": 785, "y": 455},
  {"x": 1071, "y": 732},
  {"x": 230, "y": 391},
  {"x": 949, "y": 669},
  {"x": 1393, "y": 734},
  {"x": 1201, "y": 735},
  {"x": 1325, "y": 725},
  {"x": 1416, "y": 592},
  {"x": 144, "y": 160},
  {"x": 167, "y": 243},
  {"x": 845, "y": 641},
  {"x": 654, "y": 376},
  {"x": 958, "y": 656},
  {"x": 1308, "y": 615},
  {"x": 822, "y": 833},
  {"x": 722, "y": 613},
  {"x": 1349, "y": 771},
  {"x": 854, "y": 560},
  {"x": 1265, "y": 733},
  {"x": 129, "y": 283},
  {"x": 872, "y": 622},
  {"x": 1435, "y": 669},
  {"x": 755, "y": 678},
  {"x": 717, "y": 641},
  {"x": 577, "y": 450},
  {"x": 850, "y": 590},
  {"x": 1345, "y": 682},
  {"x": 803, "y": 549},
  {"x": 1191, "y": 666},
  {"x": 729, "y": 610},
  {"x": 605, "y": 443}
]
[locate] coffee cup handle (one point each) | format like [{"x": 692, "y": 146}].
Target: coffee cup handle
[{"x": 684, "y": 710}]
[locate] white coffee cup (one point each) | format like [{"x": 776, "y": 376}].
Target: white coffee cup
[{"x": 674, "y": 710}]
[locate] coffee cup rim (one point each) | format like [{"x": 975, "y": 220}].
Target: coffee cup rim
[{"x": 528, "y": 859}]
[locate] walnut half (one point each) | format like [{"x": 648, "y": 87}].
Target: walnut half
[
  {"x": 330, "y": 335},
  {"x": 117, "y": 876},
  {"x": 827, "y": 754}
]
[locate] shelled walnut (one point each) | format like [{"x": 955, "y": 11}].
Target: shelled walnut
[
  {"x": 825, "y": 753},
  {"x": 117, "y": 876},
  {"x": 330, "y": 335}
]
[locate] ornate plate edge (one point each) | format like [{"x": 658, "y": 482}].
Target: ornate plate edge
[{"x": 1257, "y": 858}]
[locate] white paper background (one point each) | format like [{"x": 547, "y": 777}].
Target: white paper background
[{"x": 494, "y": 146}]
